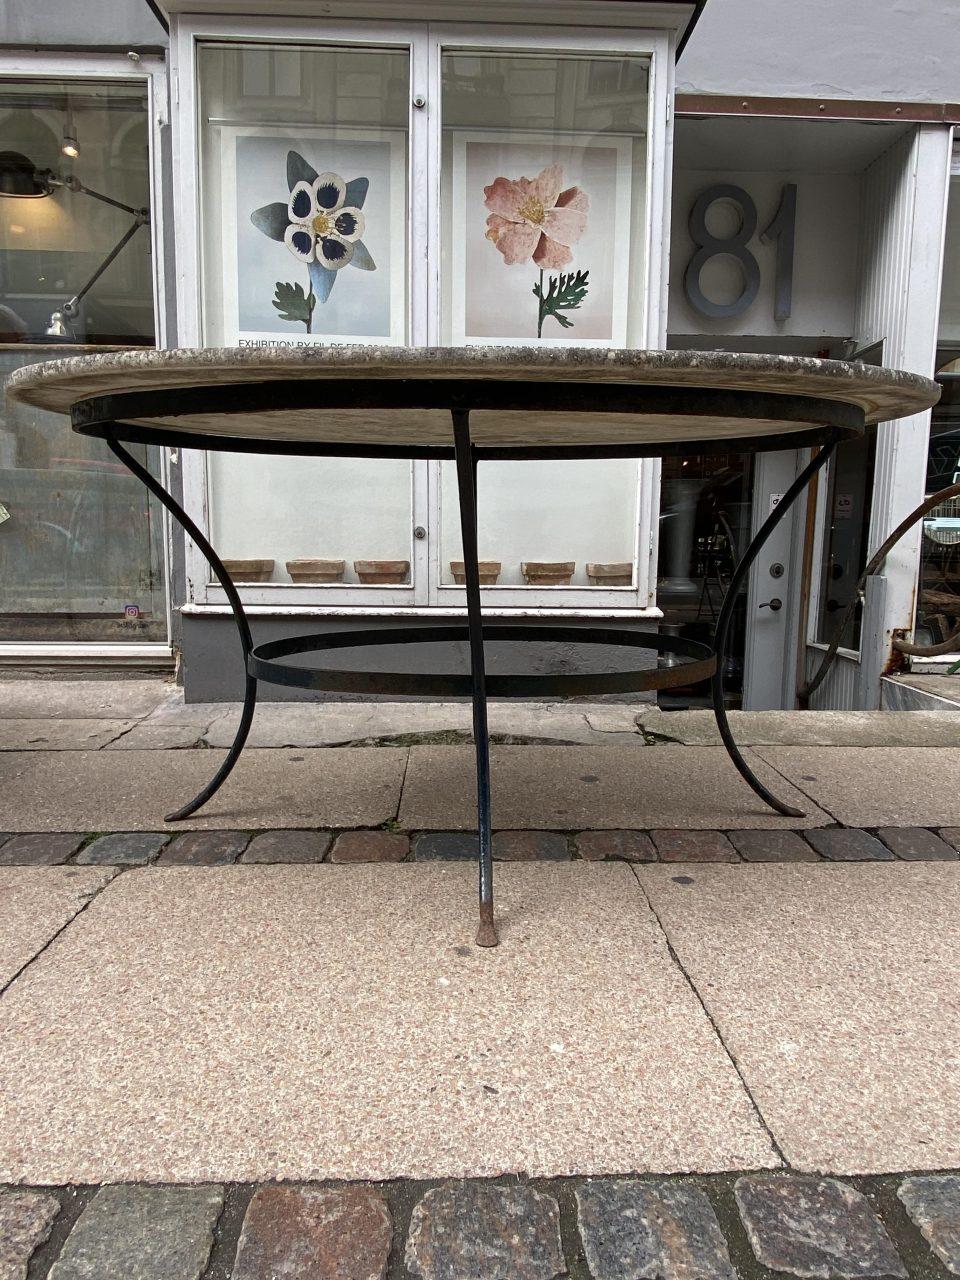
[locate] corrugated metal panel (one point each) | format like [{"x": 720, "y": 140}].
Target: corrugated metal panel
[{"x": 840, "y": 690}]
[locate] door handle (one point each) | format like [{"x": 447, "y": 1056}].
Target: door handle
[{"x": 774, "y": 605}]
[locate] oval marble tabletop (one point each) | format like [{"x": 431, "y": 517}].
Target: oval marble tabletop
[{"x": 881, "y": 393}]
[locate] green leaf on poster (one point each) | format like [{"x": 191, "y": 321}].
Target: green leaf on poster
[
  {"x": 563, "y": 293},
  {"x": 293, "y": 304}
]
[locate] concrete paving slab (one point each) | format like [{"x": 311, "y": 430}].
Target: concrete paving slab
[
  {"x": 572, "y": 788},
  {"x": 132, "y": 790},
  {"x": 332, "y": 724},
  {"x": 150, "y": 735},
  {"x": 110, "y": 699},
  {"x": 46, "y": 734},
  {"x": 35, "y": 903},
  {"x": 876, "y": 786},
  {"x": 697, "y": 727},
  {"x": 318, "y": 1022},
  {"x": 834, "y": 987}
]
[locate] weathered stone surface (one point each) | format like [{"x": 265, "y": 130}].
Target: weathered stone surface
[
  {"x": 915, "y": 844},
  {"x": 530, "y": 846},
  {"x": 309, "y": 1233},
  {"x": 952, "y": 836},
  {"x": 39, "y": 849},
  {"x": 142, "y": 1233},
  {"x": 124, "y": 848},
  {"x": 49, "y": 734},
  {"x": 650, "y": 1231},
  {"x": 288, "y": 846},
  {"x": 25, "y": 1221},
  {"x": 933, "y": 1203},
  {"x": 486, "y": 1232},
  {"x": 816, "y": 1227},
  {"x": 848, "y": 844},
  {"x": 204, "y": 849},
  {"x": 431, "y": 845},
  {"x": 694, "y": 846},
  {"x": 635, "y": 846},
  {"x": 370, "y": 846},
  {"x": 5, "y": 836},
  {"x": 772, "y": 846}
]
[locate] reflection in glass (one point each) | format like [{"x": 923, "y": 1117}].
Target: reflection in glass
[
  {"x": 544, "y": 223},
  {"x": 81, "y": 541},
  {"x": 304, "y": 222}
]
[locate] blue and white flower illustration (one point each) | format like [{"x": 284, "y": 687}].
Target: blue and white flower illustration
[
  {"x": 322, "y": 227},
  {"x": 321, "y": 224}
]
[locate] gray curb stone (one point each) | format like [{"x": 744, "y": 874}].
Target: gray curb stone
[
  {"x": 485, "y": 1232},
  {"x": 39, "y": 848},
  {"x": 124, "y": 848},
  {"x": 917, "y": 844},
  {"x": 816, "y": 1227},
  {"x": 848, "y": 844},
  {"x": 288, "y": 846},
  {"x": 430, "y": 846},
  {"x": 933, "y": 1203},
  {"x": 137, "y": 1232},
  {"x": 650, "y": 1231},
  {"x": 772, "y": 846}
]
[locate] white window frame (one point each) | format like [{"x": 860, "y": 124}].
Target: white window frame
[
  {"x": 425, "y": 42},
  {"x": 151, "y": 70}
]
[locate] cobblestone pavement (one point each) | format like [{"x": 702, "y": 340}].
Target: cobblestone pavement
[
  {"x": 753, "y": 1226},
  {"x": 216, "y": 848}
]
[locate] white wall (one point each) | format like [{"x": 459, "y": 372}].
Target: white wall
[
  {"x": 825, "y": 262},
  {"x": 897, "y": 50},
  {"x": 87, "y": 23}
]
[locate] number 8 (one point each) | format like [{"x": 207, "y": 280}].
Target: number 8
[{"x": 710, "y": 246}]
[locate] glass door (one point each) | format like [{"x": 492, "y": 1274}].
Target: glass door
[
  {"x": 544, "y": 174},
  {"x": 304, "y": 199},
  {"x": 81, "y": 541}
]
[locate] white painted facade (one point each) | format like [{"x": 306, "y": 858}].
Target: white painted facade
[{"x": 871, "y": 219}]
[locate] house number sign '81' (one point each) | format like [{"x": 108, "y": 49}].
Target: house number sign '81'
[{"x": 781, "y": 229}]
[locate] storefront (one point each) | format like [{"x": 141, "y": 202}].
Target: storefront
[{"x": 396, "y": 175}]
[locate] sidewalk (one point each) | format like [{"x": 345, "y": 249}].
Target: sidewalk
[{"x": 687, "y": 990}]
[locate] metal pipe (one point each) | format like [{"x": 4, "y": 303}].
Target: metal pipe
[{"x": 467, "y": 487}]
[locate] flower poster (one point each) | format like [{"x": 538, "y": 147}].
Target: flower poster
[
  {"x": 541, "y": 231},
  {"x": 314, "y": 228}
]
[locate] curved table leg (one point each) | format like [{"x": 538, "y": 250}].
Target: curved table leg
[
  {"x": 726, "y": 616},
  {"x": 467, "y": 486},
  {"x": 243, "y": 627}
]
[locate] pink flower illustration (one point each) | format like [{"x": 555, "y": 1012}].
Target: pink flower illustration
[{"x": 535, "y": 218}]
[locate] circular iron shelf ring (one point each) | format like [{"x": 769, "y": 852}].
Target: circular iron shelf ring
[{"x": 264, "y": 663}]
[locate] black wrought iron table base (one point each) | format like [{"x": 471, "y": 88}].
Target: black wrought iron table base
[{"x": 264, "y": 662}]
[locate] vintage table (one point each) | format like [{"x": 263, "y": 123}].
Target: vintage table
[{"x": 470, "y": 405}]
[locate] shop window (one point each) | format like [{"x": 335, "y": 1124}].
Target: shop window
[
  {"x": 543, "y": 198},
  {"x": 304, "y": 233},
  {"x": 81, "y": 545},
  {"x": 305, "y": 221}
]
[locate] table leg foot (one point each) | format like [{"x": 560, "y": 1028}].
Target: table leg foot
[{"x": 487, "y": 932}]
